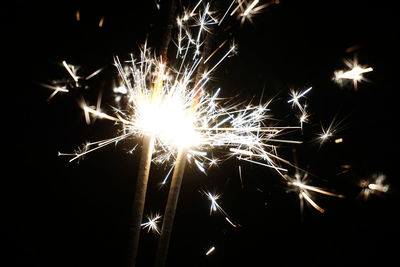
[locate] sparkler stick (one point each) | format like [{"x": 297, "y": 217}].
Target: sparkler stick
[
  {"x": 147, "y": 151},
  {"x": 177, "y": 177},
  {"x": 170, "y": 209},
  {"x": 140, "y": 196}
]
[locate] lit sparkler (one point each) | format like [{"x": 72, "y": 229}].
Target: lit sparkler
[
  {"x": 182, "y": 117},
  {"x": 169, "y": 107},
  {"x": 355, "y": 73}
]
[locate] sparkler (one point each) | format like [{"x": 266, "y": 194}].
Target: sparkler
[
  {"x": 168, "y": 105},
  {"x": 179, "y": 121},
  {"x": 355, "y": 73}
]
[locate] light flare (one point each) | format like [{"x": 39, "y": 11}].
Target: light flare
[
  {"x": 375, "y": 185},
  {"x": 354, "y": 73},
  {"x": 152, "y": 223}
]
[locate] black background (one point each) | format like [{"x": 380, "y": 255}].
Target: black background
[{"x": 66, "y": 214}]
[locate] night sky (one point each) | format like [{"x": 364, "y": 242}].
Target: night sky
[{"x": 57, "y": 213}]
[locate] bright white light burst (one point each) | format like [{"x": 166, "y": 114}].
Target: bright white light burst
[
  {"x": 355, "y": 73},
  {"x": 151, "y": 223}
]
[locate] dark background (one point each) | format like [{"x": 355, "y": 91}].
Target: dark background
[{"x": 57, "y": 213}]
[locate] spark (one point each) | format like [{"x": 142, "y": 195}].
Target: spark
[
  {"x": 240, "y": 176},
  {"x": 56, "y": 89},
  {"x": 101, "y": 22},
  {"x": 299, "y": 181},
  {"x": 226, "y": 12},
  {"x": 315, "y": 189},
  {"x": 71, "y": 70},
  {"x": 167, "y": 176},
  {"x": 295, "y": 100},
  {"x": 296, "y": 96},
  {"x": 339, "y": 140},
  {"x": 211, "y": 250},
  {"x": 376, "y": 184},
  {"x": 215, "y": 51},
  {"x": 94, "y": 74},
  {"x": 230, "y": 222},
  {"x": 250, "y": 8},
  {"x": 64, "y": 86},
  {"x": 214, "y": 205},
  {"x": 151, "y": 223},
  {"x": 157, "y": 3},
  {"x": 355, "y": 73},
  {"x": 327, "y": 133},
  {"x": 303, "y": 118}
]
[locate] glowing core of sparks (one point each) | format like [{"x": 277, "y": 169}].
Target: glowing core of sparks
[{"x": 170, "y": 120}]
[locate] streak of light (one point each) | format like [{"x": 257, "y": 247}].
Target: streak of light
[
  {"x": 211, "y": 250},
  {"x": 151, "y": 223},
  {"x": 94, "y": 74},
  {"x": 316, "y": 189},
  {"x": 339, "y": 140},
  {"x": 265, "y": 165},
  {"x": 230, "y": 222},
  {"x": 215, "y": 51},
  {"x": 101, "y": 22},
  {"x": 354, "y": 73},
  {"x": 240, "y": 176},
  {"x": 309, "y": 200},
  {"x": 67, "y": 67},
  {"x": 250, "y": 7}
]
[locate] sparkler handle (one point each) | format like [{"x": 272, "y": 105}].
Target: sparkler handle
[
  {"x": 170, "y": 209},
  {"x": 140, "y": 197}
]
